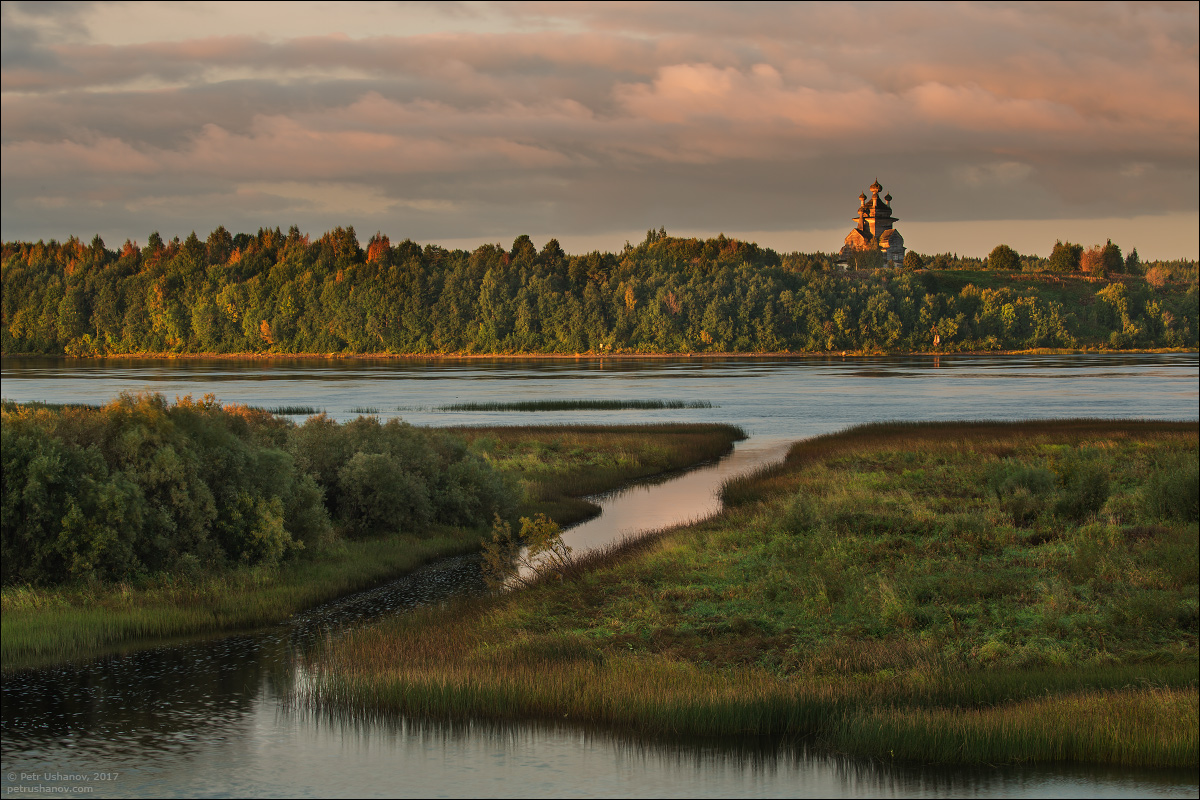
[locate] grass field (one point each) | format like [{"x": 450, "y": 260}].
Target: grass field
[
  {"x": 552, "y": 465},
  {"x": 954, "y": 593}
]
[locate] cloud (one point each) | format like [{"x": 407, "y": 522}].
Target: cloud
[
  {"x": 591, "y": 117},
  {"x": 1001, "y": 173}
]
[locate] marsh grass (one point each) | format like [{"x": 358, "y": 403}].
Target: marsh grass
[
  {"x": 295, "y": 411},
  {"x": 365, "y": 410},
  {"x": 1146, "y": 727},
  {"x": 10, "y": 405},
  {"x": 874, "y": 592},
  {"x": 576, "y": 405},
  {"x": 459, "y": 670}
]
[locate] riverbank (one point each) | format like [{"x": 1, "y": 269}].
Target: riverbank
[
  {"x": 554, "y": 466},
  {"x": 600, "y": 356},
  {"x": 954, "y": 593}
]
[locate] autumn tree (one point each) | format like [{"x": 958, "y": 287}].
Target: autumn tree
[{"x": 1092, "y": 261}]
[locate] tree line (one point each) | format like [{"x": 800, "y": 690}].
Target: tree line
[
  {"x": 141, "y": 487},
  {"x": 276, "y": 292}
]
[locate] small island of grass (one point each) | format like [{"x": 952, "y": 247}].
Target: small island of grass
[{"x": 951, "y": 592}]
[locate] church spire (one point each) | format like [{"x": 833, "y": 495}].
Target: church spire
[{"x": 873, "y": 227}]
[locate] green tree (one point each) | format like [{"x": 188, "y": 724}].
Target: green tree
[
  {"x": 872, "y": 258},
  {"x": 1111, "y": 258},
  {"x": 1003, "y": 257},
  {"x": 219, "y": 246},
  {"x": 1133, "y": 264},
  {"x": 1065, "y": 257}
]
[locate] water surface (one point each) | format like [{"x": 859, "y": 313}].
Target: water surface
[{"x": 210, "y": 718}]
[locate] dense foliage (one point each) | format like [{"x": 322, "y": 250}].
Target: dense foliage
[
  {"x": 280, "y": 293},
  {"x": 140, "y": 486}
]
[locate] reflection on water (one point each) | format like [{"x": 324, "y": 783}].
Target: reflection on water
[
  {"x": 686, "y": 498},
  {"x": 210, "y": 717}
]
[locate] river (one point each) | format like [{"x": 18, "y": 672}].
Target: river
[{"x": 211, "y": 718}]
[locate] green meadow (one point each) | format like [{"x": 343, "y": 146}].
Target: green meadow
[{"x": 949, "y": 593}]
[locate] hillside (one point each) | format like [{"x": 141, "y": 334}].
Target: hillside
[{"x": 276, "y": 293}]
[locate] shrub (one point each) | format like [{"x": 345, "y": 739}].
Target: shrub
[
  {"x": 1009, "y": 476},
  {"x": 1085, "y": 489},
  {"x": 1174, "y": 492},
  {"x": 140, "y": 487},
  {"x": 380, "y": 496}
]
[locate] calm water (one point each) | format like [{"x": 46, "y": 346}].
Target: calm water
[{"x": 208, "y": 718}]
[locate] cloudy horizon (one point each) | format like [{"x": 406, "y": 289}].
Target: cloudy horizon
[{"x": 464, "y": 123}]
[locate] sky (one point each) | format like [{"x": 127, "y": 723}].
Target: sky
[{"x": 465, "y": 123}]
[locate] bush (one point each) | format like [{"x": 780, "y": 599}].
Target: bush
[
  {"x": 1023, "y": 506},
  {"x": 1009, "y": 476},
  {"x": 140, "y": 487},
  {"x": 1174, "y": 492},
  {"x": 1084, "y": 491},
  {"x": 380, "y": 496}
]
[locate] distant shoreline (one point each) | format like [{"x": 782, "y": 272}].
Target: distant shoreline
[{"x": 624, "y": 356}]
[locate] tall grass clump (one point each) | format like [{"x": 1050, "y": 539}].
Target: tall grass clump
[
  {"x": 576, "y": 405},
  {"x": 1174, "y": 492},
  {"x": 294, "y": 411}
]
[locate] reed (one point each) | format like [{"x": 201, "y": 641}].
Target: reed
[
  {"x": 366, "y": 410},
  {"x": 1151, "y": 727},
  {"x": 577, "y": 405},
  {"x": 295, "y": 411},
  {"x": 439, "y": 667}
]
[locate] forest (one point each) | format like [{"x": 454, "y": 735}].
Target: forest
[{"x": 284, "y": 293}]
